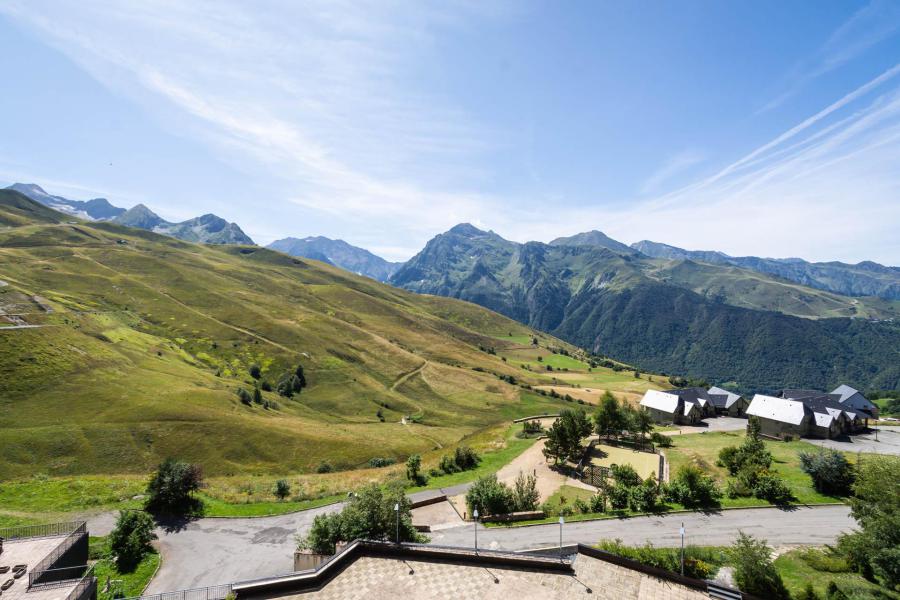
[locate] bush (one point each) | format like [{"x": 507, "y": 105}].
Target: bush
[
  {"x": 663, "y": 441},
  {"x": 244, "y": 396},
  {"x": 618, "y": 497},
  {"x": 490, "y": 497},
  {"x": 257, "y": 396},
  {"x": 754, "y": 572},
  {"x": 581, "y": 506},
  {"x": 170, "y": 489},
  {"x": 324, "y": 467},
  {"x": 413, "y": 467},
  {"x": 255, "y": 371},
  {"x": 532, "y": 427},
  {"x": 692, "y": 488},
  {"x": 699, "y": 563},
  {"x": 772, "y": 488},
  {"x": 625, "y": 475},
  {"x": 525, "y": 494},
  {"x": 642, "y": 498},
  {"x": 448, "y": 465},
  {"x": 830, "y": 471},
  {"x": 282, "y": 489},
  {"x": 369, "y": 514},
  {"x": 378, "y": 462},
  {"x": 597, "y": 503},
  {"x": 130, "y": 539},
  {"x": 265, "y": 385}
]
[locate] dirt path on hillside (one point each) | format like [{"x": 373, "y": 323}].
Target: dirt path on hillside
[
  {"x": 406, "y": 376},
  {"x": 533, "y": 462}
]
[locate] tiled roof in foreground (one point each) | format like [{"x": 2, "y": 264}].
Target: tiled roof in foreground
[{"x": 381, "y": 571}]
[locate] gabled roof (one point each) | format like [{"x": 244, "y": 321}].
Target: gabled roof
[
  {"x": 688, "y": 407},
  {"x": 722, "y": 398},
  {"x": 777, "y": 409},
  {"x": 828, "y": 403},
  {"x": 661, "y": 401},
  {"x": 823, "y": 419},
  {"x": 848, "y": 396},
  {"x": 796, "y": 394}
]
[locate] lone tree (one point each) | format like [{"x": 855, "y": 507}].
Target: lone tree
[
  {"x": 369, "y": 514},
  {"x": 608, "y": 418},
  {"x": 171, "y": 488},
  {"x": 282, "y": 489},
  {"x": 565, "y": 435},
  {"x": 413, "y": 466},
  {"x": 830, "y": 470},
  {"x": 754, "y": 572},
  {"x": 130, "y": 539}
]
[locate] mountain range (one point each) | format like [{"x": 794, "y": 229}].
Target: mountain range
[
  {"x": 721, "y": 322},
  {"x": 207, "y": 229},
  {"x": 339, "y": 253}
]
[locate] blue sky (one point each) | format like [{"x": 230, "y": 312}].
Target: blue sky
[{"x": 765, "y": 128}]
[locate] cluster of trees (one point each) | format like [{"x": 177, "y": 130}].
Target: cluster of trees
[
  {"x": 532, "y": 428},
  {"x": 292, "y": 382},
  {"x": 368, "y": 514},
  {"x": 750, "y": 466},
  {"x": 462, "y": 459},
  {"x": 491, "y": 497},
  {"x": 255, "y": 397},
  {"x": 565, "y": 435},
  {"x": 613, "y": 418},
  {"x": 378, "y": 462}
]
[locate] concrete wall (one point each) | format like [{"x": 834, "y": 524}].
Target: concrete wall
[{"x": 777, "y": 429}]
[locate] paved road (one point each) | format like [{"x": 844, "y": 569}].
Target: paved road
[
  {"x": 211, "y": 551},
  {"x": 818, "y": 525},
  {"x": 888, "y": 442}
]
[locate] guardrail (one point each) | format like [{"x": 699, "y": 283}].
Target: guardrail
[
  {"x": 46, "y": 530},
  {"x": 54, "y": 578},
  {"x": 216, "y": 592},
  {"x": 45, "y": 567},
  {"x": 84, "y": 589}
]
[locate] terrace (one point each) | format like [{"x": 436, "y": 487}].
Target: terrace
[{"x": 46, "y": 562}]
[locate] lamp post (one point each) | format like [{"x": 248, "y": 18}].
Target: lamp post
[
  {"x": 561, "y": 521},
  {"x": 682, "y": 547},
  {"x": 397, "y": 513},
  {"x": 475, "y": 521}
]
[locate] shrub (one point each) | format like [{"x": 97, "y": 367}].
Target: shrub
[
  {"x": 378, "y": 462},
  {"x": 829, "y": 469},
  {"x": 808, "y": 593},
  {"x": 625, "y": 475},
  {"x": 754, "y": 572},
  {"x": 525, "y": 494},
  {"x": 772, "y": 488},
  {"x": 581, "y": 506},
  {"x": 170, "y": 489},
  {"x": 130, "y": 539},
  {"x": 618, "y": 497},
  {"x": 282, "y": 489},
  {"x": 698, "y": 562},
  {"x": 466, "y": 458},
  {"x": 255, "y": 371},
  {"x": 691, "y": 488},
  {"x": 324, "y": 467},
  {"x": 642, "y": 498},
  {"x": 244, "y": 396},
  {"x": 490, "y": 497},
  {"x": 663, "y": 441},
  {"x": 265, "y": 385},
  {"x": 257, "y": 396},
  {"x": 597, "y": 503},
  {"x": 828, "y": 561},
  {"x": 369, "y": 514}
]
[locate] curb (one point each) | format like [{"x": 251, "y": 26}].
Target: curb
[
  {"x": 671, "y": 512},
  {"x": 158, "y": 566}
]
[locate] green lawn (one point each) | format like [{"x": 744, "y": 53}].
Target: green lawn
[
  {"x": 702, "y": 449},
  {"x": 796, "y": 572},
  {"x": 133, "y": 583},
  {"x": 214, "y": 507}
]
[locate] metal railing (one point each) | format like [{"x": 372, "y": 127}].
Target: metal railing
[
  {"x": 46, "y": 565},
  {"x": 46, "y": 530},
  {"x": 54, "y": 578},
  {"x": 84, "y": 589},
  {"x": 216, "y": 592}
]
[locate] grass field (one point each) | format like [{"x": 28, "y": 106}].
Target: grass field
[
  {"x": 796, "y": 572},
  {"x": 644, "y": 463},
  {"x": 149, "y": 339},
  {"x": 702, "y": 449}
]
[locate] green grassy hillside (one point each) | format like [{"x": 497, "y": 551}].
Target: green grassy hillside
[{"x": 148, "y": 338}]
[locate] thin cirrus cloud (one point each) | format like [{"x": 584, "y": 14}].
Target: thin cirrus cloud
[{"x": 870, "y": 25}]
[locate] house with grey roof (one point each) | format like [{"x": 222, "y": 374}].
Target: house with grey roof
[
  {"x": 727, "y": 403},
  {"x": 854, "y": 399},
  {"x": 781, "y": 417},
  {"x": 855, "y": 410},
  {"x": 666, "y": 407}
]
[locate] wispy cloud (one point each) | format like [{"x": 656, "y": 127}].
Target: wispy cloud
[
  {"x": 672, "y": 166},
  {"x": 870, "y": 25}
]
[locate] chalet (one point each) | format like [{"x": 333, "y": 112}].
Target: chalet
[
  {"x": 666, "y": 407},
  {"x": 696, "y": 396},
  {"x": 853, "y": 399},
  {"x": 781, "y": 417},
  {"x": 727, "y": 403}
]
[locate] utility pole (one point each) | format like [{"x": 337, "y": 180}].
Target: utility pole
[
  {"x": 397, "y": 512},
  {"x": 475, "y": 520},
  {"x": 682, "y": 547}
]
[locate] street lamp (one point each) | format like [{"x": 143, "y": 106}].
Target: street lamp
[
  {"x": 561, "y": 521},
  {"x": 475, "y": 520},
  {"x": 397, "y": 512},
  {"x": 681, "y": 531}
]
